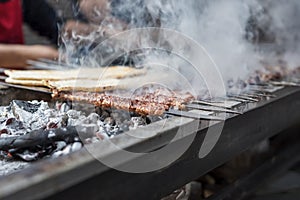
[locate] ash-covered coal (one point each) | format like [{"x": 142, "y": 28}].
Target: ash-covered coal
[
  {"x": 8, "y": 166},
  {"x": 33, "y": 130}
]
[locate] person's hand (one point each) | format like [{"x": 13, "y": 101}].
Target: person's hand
[
  {"x": 39, "y": 51},
  {"x": 17, "y": 56}
]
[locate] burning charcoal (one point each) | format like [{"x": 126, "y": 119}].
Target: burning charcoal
[
  {"x": 14, "y": 124},
  {"x": 67, "y": 150},
  {"x": 31, "y": 107},
  {"x": 147, "y": 120},
  {"x": 57, "y": 154},
  {"x": 64, "y": 120},
  {"x": 25, "y": 111},
  {"x": 123, "y": 128},
  {"x": 151, "y": 119},
  {"x": 104, "y": 115},
  {"x": 87, "y": 130},
  {"x": 110, "y": 121},
  {"x": 73, "y": 114},
  {"x": 60, "y": 145},
  {"x": 137, "y": 121},
  {"x": 91, "y": 119},
  {"x": 4, "y": 135},
  {"x": 76, "y": 146},
  {"x": 103, "y": 132},
  {"x": 4, "y": 131},
  {"x": 114, "y": 130},
  {"x": 38, "y": 137},
  {"x": 33, "y": 113},
  {"x": 52, "y": 125},
  {"x": 77, "y": 119},
  {"x": 10, "y": 121},
  {"x": 100, "y": 123},
  {"x": 28, "y": 156},
  {"x": 118, "y": 117},
  {"x": 40, "y": 123},
  {"x": 65, "y": 107},
  {"x": 36, "y": 131}
]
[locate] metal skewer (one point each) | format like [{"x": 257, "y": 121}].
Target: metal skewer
[
  {"x": 193, "y": 115},
  {"x": 211, "y": 108},
  {"x": 243, "y": 97},
  {"x": 284, "y": 83},
  {"x": 56, "y": 63},
  {"x": 237, "y": 99},
  {"x": 255, "y": 96},
  {"x": 48, "y": 66},
  {"x": 260, "y": 94},
  {"x": 219, "y": 105}
]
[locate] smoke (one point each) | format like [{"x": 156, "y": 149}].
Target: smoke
[
  {"x": 239, "y": 35},
  {"x": 281, "y": 22}
]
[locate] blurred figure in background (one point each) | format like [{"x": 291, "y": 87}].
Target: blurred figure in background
[
  {"x": 93, "y": 23},
  {"x": 94, "y": 15},
  {"x": 98, "y": 20},
  {"x": 40, "y": 17}
]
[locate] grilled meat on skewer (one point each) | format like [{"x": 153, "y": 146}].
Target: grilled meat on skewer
[{"x": 143, "y": 104}]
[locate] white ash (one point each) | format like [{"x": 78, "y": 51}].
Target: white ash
[
  {"x": 21, "y": 117},
  {"x": 9, "y": 167}
]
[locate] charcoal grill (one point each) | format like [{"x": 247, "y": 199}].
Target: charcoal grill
[{"x": 80, "y": 175}]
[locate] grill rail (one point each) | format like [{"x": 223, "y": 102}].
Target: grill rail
[{"x": 80, "y": 174}]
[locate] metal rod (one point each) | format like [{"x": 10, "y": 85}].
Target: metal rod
[
  {"x": 262, "y": 94},
  {"x": 243, "y": 97},
  {"x": 219, "y": 105},
  {"x": 193, "y": 115},
  {"x": 255, "y": 96},
  {"x": 285, "y": 83},
  {"x": 238, "y": 99},
  {"x": 52, "y": 62},
  {"x": 211, "y": 108},
  {"x": 47, "y": 66}
]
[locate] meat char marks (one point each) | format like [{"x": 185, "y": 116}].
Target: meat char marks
[{"x": 142, "y": 102}]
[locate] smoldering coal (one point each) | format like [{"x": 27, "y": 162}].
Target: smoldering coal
[{"x": 33, "y": 130}]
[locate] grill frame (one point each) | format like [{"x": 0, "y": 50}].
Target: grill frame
[{"x": 80, "y": 175}]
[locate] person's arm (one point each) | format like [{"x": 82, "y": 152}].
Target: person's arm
[
  {"x": 41, "y": 17},
  {"x": 16, "y": 56}
]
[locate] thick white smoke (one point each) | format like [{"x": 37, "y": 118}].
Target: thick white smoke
[
  {"x": 239, "y": 35},
  {"x": 284, "y": 26}
]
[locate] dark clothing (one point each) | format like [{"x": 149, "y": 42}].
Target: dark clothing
[{"x": 40, "y": 16}]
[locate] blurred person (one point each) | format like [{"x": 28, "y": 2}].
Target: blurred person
[
  {"x": 98, "y": 20},
  {"x": 94, "y": 16},
  {"x": 131, "y": 13},
  {"x": 40, "y": 16},
  {"x": 93, "y": 23}
]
